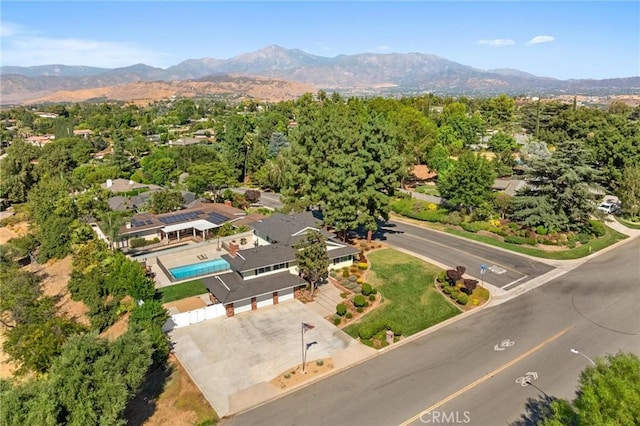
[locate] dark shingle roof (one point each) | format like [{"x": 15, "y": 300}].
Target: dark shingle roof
[
  {"x": 287, "y": 228},
  {"x": 229, "y": 288},
  {"x": 258, "y": 257}
]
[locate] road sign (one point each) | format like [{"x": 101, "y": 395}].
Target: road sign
[{"x": 483, "y": 268}]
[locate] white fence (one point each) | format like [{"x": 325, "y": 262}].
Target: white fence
[{"x": 193, "y": 317}]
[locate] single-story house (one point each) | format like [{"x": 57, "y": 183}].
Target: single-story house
[
  {"x": 124, "y": 185},
  {"x": 194, "y": 222},
  {"x": 267, "y": 273},
  {"x": 83, "y": 133},
  {"x": 508, "y": 186}
]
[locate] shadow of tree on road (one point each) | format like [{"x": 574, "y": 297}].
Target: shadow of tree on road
[{"x": 537, "y": 410}]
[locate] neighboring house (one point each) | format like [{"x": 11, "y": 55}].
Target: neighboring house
[
  {"x": 40, "y": 140},
  {"x": 195, "y": 222},
  {"x": 508, "y": 186},
  {"x": 267, "y": 273},
  {"x": 203, "y": 134},
  {"x": 138, "y": 202},
  {"x": 124, "y": 185},
  {"x": 83, "y": 133},
  {"x": 185, "y": 142}
]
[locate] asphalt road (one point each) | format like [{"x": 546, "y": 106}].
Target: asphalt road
[
  {"x": 506, "y": 270},
  {"x": 267, "y": 199},
  {"x": 457, "y": 369}
]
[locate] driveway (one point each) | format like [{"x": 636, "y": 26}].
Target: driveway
[{"x": 232, "y": 360}]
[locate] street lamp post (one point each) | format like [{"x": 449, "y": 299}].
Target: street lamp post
[{"x": 575, "y": 351}]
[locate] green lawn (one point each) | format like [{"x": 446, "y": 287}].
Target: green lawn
[
  {"x": 628, "y": 223},
  {"x": 610, "y": 238},
  {"x": 428, "y": 189},
  {"x": 181, "y": 291},
  {"x": 410, "y": 297}
]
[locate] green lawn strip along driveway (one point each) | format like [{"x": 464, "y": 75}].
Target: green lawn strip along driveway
[
  {"x": 428, "y": 189},
  {"x": 181, "y": 291},
  {"x": 410, "y": 297},
  {"x": 610, "y": 238},
  {"x": 628, "y": 223}
]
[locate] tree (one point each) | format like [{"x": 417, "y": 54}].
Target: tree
[
  {"x": 467, "y": 182},
  {"x": 165, "y": 201},
  {"x": 438, "y": 158},
  {"x": 608, "y": 394},
  {"x": 560, "y": 193},
  {"x": 502, "y": 142},
  {"x": 212, "y": 177},
  {"x": 252, "y": 195},
  {"x": 277, "y": 143},
  {"x": 17, "y": 171},
  {"x": 628, "y": 191},
  {"x": 312, "y": 258}
]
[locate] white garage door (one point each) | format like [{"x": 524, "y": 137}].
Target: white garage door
[
  {"x": 242, "y": 306},
  {"x": 285, "y": 295},
  {"x": 265, "y": 300}
]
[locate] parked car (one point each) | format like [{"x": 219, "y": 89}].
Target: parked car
[{"x": 608, "y": 208}]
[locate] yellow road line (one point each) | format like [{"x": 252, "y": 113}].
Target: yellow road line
[{"x": 487, "y": 376}]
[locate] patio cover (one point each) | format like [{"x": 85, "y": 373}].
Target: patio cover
[{"x": 200, "y": 225}]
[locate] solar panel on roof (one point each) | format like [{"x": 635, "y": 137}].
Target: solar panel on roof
[{"x": 216, "y": 218}]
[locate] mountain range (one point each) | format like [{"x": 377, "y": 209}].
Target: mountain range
[{"x": 366, "y": 73}]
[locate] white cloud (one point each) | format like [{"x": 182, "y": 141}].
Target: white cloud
[
  {"x": 22, "y": 48},
  {"x": 8, "y": 29},
  {"x": 540, "y": 39},
  {"x": 383, "y": 48},
  {"x": 498, "y": 42}
]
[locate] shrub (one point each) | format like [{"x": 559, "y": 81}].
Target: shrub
[
  {"x": 332, "y": 273},
  {"x": 541, "y": 230},
  {"x": 571, "y": 244},
  {"x": 583, "y": 238},
  {"x": 367, "y": 331},
  {"x": 374, "y": 290},
  {"x": 287, "y": 376},
  {"x": 353, "y": 278},
  {"x": 349, "y": 315},
  {"x": 319, "y": 363},
  {"x": 344, "y": 282},
  {"x": 531, "y": 241},
  {"x": 442, "y": 277},
  {"x": 513, "y": 226},
  {"x": 447, "y": 289},
  {"x": 337, "y": 320},
  {"x": 360, "y": 310},
  {"x": 137, "y": 242},
  {"x": 454, "y": 218},
  {"x": 372, "y": 297},
  {"x": 344, "y": 294},
  {"x": 363, "y": 244},
  {"x": 514, "y": 239},
  {"x": 462, "y": 298},
  {"x": 366, "y": 289},
  {"x": 345, "y": 273},
  {"x": 475, "y": 226},
  {"x": 597, "y": 228},
  {"x": 341, "y": 309},
  {"x": 362, "y": 266},
  {"x": 359, "y": 301}
]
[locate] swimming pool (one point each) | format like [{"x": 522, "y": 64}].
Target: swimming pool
[{"x": 197, "y": 269}]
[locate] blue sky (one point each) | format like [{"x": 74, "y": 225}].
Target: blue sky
[{"x": 555, "y": 39}]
